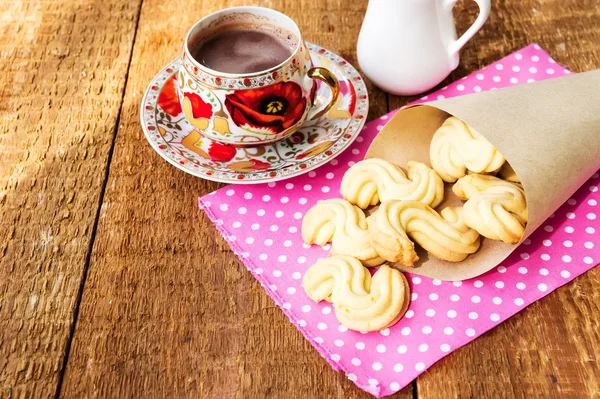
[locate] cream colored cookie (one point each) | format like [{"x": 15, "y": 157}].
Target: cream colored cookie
[
  {"x": 506, "y": 172},
  {"x": 445, "y": 235},
  {"x": 361, "y": 302},
  {"x": 456, "y": 148},
  {"x": 344, "y": 225},
  {"x": 390, "y": 240},
  {"x": 373, "y": 180},
  {"x": 497, "y": 209}
]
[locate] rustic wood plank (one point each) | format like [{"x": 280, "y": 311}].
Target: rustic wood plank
[
  {"x": 552, "y": 348},
  {"x": 63, "y": 68},
  {"x": 167, "y": 309}
]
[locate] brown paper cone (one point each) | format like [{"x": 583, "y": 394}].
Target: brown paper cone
[{"x": 548, "y": 131}]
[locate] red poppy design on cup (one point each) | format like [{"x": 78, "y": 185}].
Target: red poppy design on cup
[
  {"x": 200, "y": 108},
  {"x": 271, "y": 109}
]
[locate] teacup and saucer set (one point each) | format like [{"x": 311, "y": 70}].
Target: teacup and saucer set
[
  {"x": 216, "y": 115},
  {"x": 252, "y": 127}
]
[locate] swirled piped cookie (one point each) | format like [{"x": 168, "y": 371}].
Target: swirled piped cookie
[
  {"x": 456, "y": 148},
  {"x": 445, "y": 235},
  {"x": 361, "y": 302},
  {"x": 497, "y": 209},
  {"x": 373, "y": 180},
  {"x": 344, "y": 225},
  {"x": 506, "y": 172}
]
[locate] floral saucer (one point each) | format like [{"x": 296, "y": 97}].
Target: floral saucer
[{"x": 314, "y": 144}]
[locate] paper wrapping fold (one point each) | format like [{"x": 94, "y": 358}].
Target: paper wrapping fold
[{"x": 548, "y": 131}]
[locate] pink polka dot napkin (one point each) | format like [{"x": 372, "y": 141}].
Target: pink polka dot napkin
[{"x": 262, "y": 225}]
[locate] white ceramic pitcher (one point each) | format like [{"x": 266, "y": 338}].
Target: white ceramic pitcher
[{"x": 408, "y": 46}]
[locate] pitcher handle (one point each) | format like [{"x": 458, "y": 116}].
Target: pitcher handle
[
  {"x": 484, "y": 13},
  {"x": 330, "y": 80}
]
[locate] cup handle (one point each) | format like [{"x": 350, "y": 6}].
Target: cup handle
[
  {"x": 484, "y": 13},
  {"x": 330, "y": 80}
]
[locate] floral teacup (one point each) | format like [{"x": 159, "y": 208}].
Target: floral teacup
[{"x": 257, "y": 108}]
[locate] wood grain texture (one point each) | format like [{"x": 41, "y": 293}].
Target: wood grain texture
[
  {"x": 63, "y": 68},
  {"x": 552, "y": 348},
  {"x": 168, "y": 310}
]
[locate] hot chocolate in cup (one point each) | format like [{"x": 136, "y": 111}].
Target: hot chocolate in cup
[
  {"x": 243, "y": 48},
  {"x": 247, "y": 78}
]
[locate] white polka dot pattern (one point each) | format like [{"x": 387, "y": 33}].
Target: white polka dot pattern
[{"x": 262, "y": 224}]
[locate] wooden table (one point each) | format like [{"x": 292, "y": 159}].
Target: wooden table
[{"x": 114, "y": 284}]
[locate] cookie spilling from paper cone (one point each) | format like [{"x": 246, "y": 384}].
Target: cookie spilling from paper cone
[
  {"x": 540, "y": 139},
  {"x": 494, "y": 208},
  {"x": 501, "y": 163}
]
